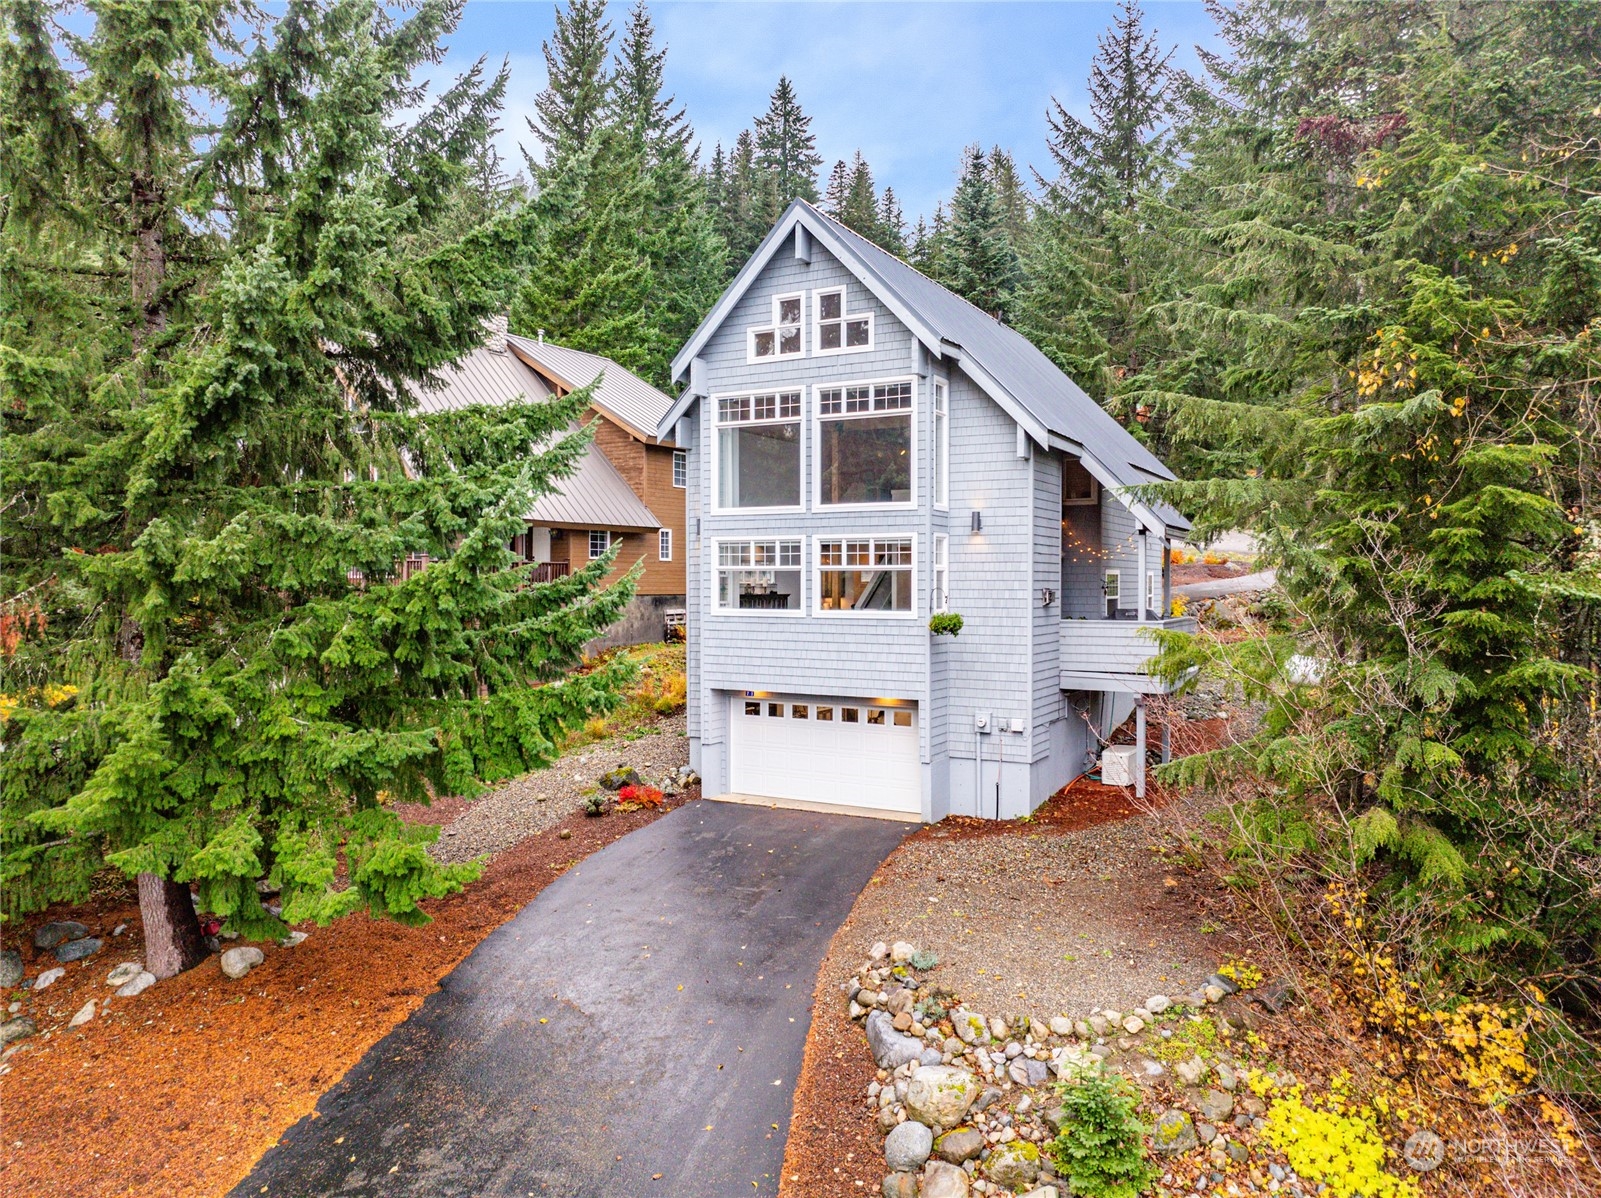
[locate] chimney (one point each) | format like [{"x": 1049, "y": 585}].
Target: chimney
[{"x": 495, "y": 334}]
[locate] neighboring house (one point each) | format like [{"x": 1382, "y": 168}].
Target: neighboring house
[
  {"x": 865, "y": 449},
  {"x": 629, "y": 490}
]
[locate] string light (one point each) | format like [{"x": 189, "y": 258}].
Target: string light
[{"x": 1095, "y": 552}]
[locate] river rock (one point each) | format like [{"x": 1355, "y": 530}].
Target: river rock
[
  {"x": 137, "y": 984},
  {"x": 900, "y": 952},
  {"x": 16, "y": 1029},
  {"x": 237, "y": 962},
  {"x": 10, "y": 969},
  {"x": 1014, "y": 1165},
  {"x": 970, "y": 1027},
  {"x": 1133, "y": 1025},
  {"x": 960, "y": 1145},
  {"x": 1226, "y": 1077},
  {"x": 123, "y": 973},
  {"x": 58, "y": 932},
  {"x": 1043, "y": 1192},
  {"x": 84, "y": 1015},
  {"x": 48, "y": 978},
  {"x": 942, "y": 1180},
  {"x": 1158, "y": 1003},
  {"x": 939, "y": 1095},
  {"x": 1190, "y": 1072},
  {"x": 1174, "y": 1133},
  {"x": 623, "y": 775},
  {"x": 1214, "y": 1105},
  {"x": 1061, "y": 1025},
  {"x": 890, "y": 1049},
  {"x": 899, "y": 1185},
  {"x": 77, "y": 950},
  {"x": 878, "y": 952},
  {"x": 908, "y": 1146}
]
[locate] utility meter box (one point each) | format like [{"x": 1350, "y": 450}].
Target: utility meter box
[{"x": 1117, "y": 765}]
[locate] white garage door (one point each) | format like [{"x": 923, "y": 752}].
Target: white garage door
[{"x": 850, "y": 752}]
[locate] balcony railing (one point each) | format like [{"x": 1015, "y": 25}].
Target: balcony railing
[
  {"x": 1111, "y": 654},
  {"x": 549, "y": 571}
]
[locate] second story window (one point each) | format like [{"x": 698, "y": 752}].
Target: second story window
[
  {"x": 838, "y": 331},
  {"x": 680, "y": 468},
  {"x": 942, "y": 446},
  {"x": 599, "y": 542},
  {"x": 759, "y": 450},
  {"x": 864, "y": 448},
  {"x": 664, "y": 545},
  {"x": 782, "y": 338}
]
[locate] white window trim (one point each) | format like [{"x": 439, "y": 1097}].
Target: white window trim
[
  {"x": 772, "y": 327},
  {"x": 664, "y": 544},
  {"x": 716, "y": 452},
  {"x": 680, "y": 465},
  {"x": 941, "y": 435},
  {"x": 816, "y": 423},
  {"x": 940, "y": 595},
  {"x": 845, "y": 315},
  {"x": 739, "y": 613},
  {"x": 1106, "y": 579},
  {"x": 605, "y": 532},
  {"x": 1153, "y": 595},
  {"x": 847, "y": 614}
]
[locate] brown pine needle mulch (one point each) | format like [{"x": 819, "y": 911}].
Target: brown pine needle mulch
[{"x": 177, "y": 1092}]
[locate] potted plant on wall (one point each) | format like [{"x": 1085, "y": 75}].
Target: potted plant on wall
[{"x": 945, "y": 623}]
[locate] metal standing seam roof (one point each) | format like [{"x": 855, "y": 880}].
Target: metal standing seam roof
[
  {"x": 1011, "y": 360},
  {"x": 622, "y": 394},
  {"x": 594, "y": 495}
]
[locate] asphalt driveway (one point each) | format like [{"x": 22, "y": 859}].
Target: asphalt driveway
[{"x": 636, "y": 1030}]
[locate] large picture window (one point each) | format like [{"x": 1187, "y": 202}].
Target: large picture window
[
  {"x": 759, "y": 576},
  {"x": 759, "y": 450},
  {"x": 838, "y": 331},
  {"x": 864, "y": 450},
  {"x": 782, "y": 338},
  {"x": 864, "y": 574}
]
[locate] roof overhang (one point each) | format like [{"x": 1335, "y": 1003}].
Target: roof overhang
[
  {"x": 1148, "y": 517},
  {"x": 564, "y": 386}
]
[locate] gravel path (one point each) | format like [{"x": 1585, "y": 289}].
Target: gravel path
[
  {"x": 1262, "y": 580},
  {"x": 1043, "y": 923},
  {"x": 541, "y": 799}
]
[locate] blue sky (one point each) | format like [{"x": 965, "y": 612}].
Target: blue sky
[{"x": 909, "y": 84}]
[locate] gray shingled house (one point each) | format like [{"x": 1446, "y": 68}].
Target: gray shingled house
[{"x": 867, "y": 449}]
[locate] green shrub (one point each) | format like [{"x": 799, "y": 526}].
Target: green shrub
[
  {"x": 945, "y": 623},
  {"x": 1101, "y": 1148}
]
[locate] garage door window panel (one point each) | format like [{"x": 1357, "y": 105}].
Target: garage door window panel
[
  {"x": 758, "y": 576},
  {"x": 865, "y": 576},
  {"x": 759, "y": 450}
]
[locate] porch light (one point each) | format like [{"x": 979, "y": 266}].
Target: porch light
[{"x": 978, "y": 521}]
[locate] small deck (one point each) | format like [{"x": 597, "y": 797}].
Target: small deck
[{"x": 1110, "y": 655}]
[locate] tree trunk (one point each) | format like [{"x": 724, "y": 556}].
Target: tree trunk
[{"x": 173, "y": 942}]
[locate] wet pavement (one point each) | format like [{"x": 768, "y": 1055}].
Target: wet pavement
[{"x": 635, "y": 1031}]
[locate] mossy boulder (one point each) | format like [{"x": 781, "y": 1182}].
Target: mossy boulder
[{"x": 1013, "y": 1166}]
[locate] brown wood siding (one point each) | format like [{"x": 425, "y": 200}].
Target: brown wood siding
[{"x": 648, "y": 470}]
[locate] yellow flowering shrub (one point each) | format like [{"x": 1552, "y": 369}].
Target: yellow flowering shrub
[
  {"x": 52, "y": 694},
  {"x": 1336, "y": 1143},
  {"x": 1241, "y": 973}
]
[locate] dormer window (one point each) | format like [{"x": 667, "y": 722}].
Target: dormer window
[
  {"x": 838, "y": 331},
  {"x": 782, "y": 338}
]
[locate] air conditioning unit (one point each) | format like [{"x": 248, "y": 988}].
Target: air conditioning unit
[{"x": 1117, "y": 765}]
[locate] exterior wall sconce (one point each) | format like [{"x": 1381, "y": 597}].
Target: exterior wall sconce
[
  {"x": 978, "y": 522},
  {"x": 1047, "y": 597}
]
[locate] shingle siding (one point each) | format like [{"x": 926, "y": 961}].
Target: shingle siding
[{"x": 1005, "y": 663}]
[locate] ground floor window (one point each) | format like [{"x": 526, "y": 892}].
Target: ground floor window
[
  {"x": 864, "y": 574},
  {"x": 759, "y": 575}
]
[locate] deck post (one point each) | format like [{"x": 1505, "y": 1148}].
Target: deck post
[
  {"x": 1167, "y": 740},
  {"x": 1139, "y": 746}
]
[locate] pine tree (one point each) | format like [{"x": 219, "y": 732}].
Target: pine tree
[
  {"x": 573, "y": 105},
  {"x": 1126, "y": 148},
  {"x": 786, "y": 150},
  {"x": 213, "y": 672},
  {"x": 978, "y": 260},
  {"x": 745, "y": 204},
  {"x": 892, "y": 224},
  {"x": 1011, "y": 197},
  {"x": 655, "y": 123},
  {"x": 834, "y": 195},
  {"x": 860, "y": 210},
  {"x": 1380, "y": 349}
]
